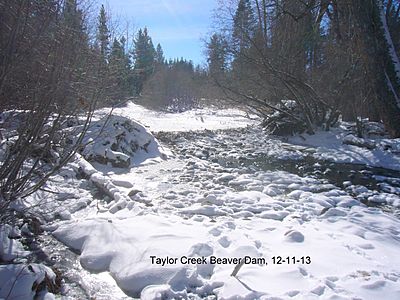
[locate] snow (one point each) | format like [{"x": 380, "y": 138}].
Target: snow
[
  {"x": 196, "y": 119},
  {"x": 10, "y": 248},
  {"x": 177, "y": 222},
  {"x": 367, "y": 239},
  {"x": 120, "y": 141},
  {"x": 194, "y": 208},
  {"x": 328, "y": 146},
  {"x": 20, "y": 281}
]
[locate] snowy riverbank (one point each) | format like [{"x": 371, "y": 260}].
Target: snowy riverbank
[{"x": 219, "y": 196}]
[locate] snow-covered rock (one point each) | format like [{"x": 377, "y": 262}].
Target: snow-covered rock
[
  {"x": 20, "y": 281},
  {"x": 10, "y": 248},
  {"x": 121, "y": 142}
]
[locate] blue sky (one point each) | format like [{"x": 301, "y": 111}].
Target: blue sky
[{"x": 178, "y": 25}]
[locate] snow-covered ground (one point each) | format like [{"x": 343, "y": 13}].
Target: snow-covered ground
[
  {"x": 179, "y": 223},
  {"x": 329, "y": 146},
  {"x": 196, "y": 119}
]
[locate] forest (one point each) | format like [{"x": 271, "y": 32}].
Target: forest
[
  {"x": 333, "y": 58},
  {"x": 293, "y": 118}
]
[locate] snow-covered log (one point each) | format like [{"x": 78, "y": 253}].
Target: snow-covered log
[{"x": 103, "y": 183}]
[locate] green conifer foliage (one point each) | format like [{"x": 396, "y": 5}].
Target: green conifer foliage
[
  {"x": 160, "y": 59},
  {"x": 103, "y": 34},
  {"x": 144, "y": 56},
  {"x": 216, "y": 55}
]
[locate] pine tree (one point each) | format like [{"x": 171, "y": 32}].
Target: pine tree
[
  {"x": 119, "y": 66},
  {"x": 103, "y": 34},
  {"x": 144, "y": 55},
  {"x": 160, "y": 59},
  {"x": 73, "y": 23},
  {"x": 244, "y": 25},
  {"x": 216, "y": 55},
  {"x": 117, "y": 52}
]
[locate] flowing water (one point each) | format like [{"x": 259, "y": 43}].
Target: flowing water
[{"x": 243, "y": 148}]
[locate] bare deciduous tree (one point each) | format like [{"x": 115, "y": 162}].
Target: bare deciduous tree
[{"x": 49, "y": 72}]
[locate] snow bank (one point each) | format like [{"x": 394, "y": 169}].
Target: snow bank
[
  {"x": 340, "y": 146},
  {"x": 353, "y": 252},
  {"x": 125, "y": 246}
]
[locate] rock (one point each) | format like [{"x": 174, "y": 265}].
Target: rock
[
  {"x": 133, "y": 192},
  {"x": 117, "y": 206},
  {"x": 359, "y": 142},
  {"x": 334, "y": 212},
  {"x": 225, "y": 178},
  {"x": 274, "y": 215},
  {"x": 116, "y": 140},
  {"x": 123, "y": 183},
  {"x": 65, "y": 215},
  {"x": 294, "y": 236},
  {"x": 377, "y": 198},
  {"x": 120, "y": 163}
]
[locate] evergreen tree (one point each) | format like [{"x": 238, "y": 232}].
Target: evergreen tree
[
  {"x": 216, "y": 55},
  {"x": 73, "y": 24},
  {"x": 244, "y": 25},
  {"x": 160, "y": 59},
  {"x": 144, "y": 55},
  {"x": 103, "y": 34},
  {"x": 117, "y": 52},
  {"x": 71, "y": 16},
  {"x": 119, "y": 66},
  {"x": 293, "y": 36}
]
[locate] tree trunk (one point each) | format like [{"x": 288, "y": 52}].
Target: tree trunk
[{"x": 380, "y": 60}]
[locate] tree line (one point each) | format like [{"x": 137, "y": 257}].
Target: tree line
[{"x": 333, "y": 58}]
